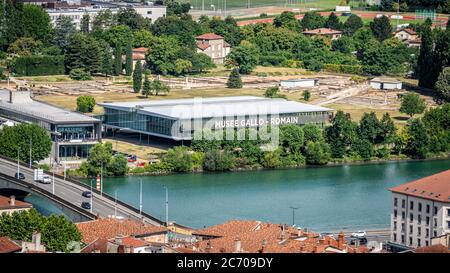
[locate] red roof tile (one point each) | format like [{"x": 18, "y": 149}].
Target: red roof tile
[
  {"x": 202, "y": 46},
  {"x": 133, "y": 242},
  {"x": 209, "y": 36},
  {"x": 107, "y": 228},
  {"x": 8, "y": 246},
  {"x": 140, "y": 50},
  {"x": 5, "y": 203},
  {"x": 433, "y": 249},
  {"x": 407, "y": 30},
  {"x": 435, "y": 187}
]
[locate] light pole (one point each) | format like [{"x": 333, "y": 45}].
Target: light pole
[
  {"x": 91, "y": 196},
  {"x": 101, "y": 180},
  {"x": 65, "y": 171},
  {"x": 115, "y": 203},
  {"x": 53, "y": 182},
  {"x": 18, "y": 161},
  {"x": 293, "y": 214},
  {"x": 140, "y": 197}
]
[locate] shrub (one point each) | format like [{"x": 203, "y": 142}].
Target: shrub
[
  {"x": 234, "y": 80},
  {"x": 216, "y": 160},
  {"x": 80, "y": 74},
  {"x": 38, "y": 65},
  {"x": 85, "y": 104}
]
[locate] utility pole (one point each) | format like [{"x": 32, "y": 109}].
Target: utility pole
[
  {"x": 31, "y": 145},
  {"x": 293, "y": 214},
  {"x": 53, "y": 182},
  {"x": 101, "y": 180},
  {"x": 18, "y": 161},
  {"x": 115, "y": 204},
  {"x": 92, "y": 193},
  {"x": 140, "y": 197}
]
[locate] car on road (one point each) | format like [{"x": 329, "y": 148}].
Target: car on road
[
  {"x": 45, "y": 180},
  {"x": 87, "y": 194},
  {"x": 359, "y": 234},
  {"x": 361, "y": 241},
  {"x": 19, "y": 176},
  {"x": 86, "y": 205},
  {"x": 323, "y": 234}
]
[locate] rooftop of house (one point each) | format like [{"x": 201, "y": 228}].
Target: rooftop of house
[
  {"x": 131, "y": 242},
  {"x": 385, "y": 80},
  {"x": 435, "y": 187},
  {"x": 202, "y": 45},
  {"x": 439, "y": 248},
  {"x": 256, "y": 237},
  {"x": 8, "y": 246},
  {"x": 11, "y": 203},
  {"x": 108, "y": 228},
  {"x": 209, "y": 36},
  {"x": 322, "y": 31},
  {"x": 407, "y": 30},
  {"x": 142, "y": 50}
]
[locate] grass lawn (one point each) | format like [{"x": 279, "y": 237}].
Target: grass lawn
[
  {"x": 142, "y": 151},
  {"x": 240, "y": 4}
]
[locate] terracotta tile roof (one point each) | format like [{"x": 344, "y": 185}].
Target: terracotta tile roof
[
  {"x": 8, "y": 246},
  {"x": 107, "y": 228},
  {"x": 202, "y": 46},
  {"x": 435, "y": 187},
  {"x": 5, "y": 203},
  {"x": 209, "y": 36},
  {"x": 133, "y": 242},
  {"x": 138, "y": 56},
  {"x": 407, "y": 30},
  {"x": 99, "y": 245},
  {"x": 141, "y": 50},
  {"x": 433, "y": 249},
  {"x": 322, "y": 31},
  {"x": 415, "y": 41}
]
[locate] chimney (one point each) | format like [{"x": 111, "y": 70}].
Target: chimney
[
  {"x": 36, "y": 240},
  {"x": 341, "y": 240},
  {"x": 12, "y": 201},
  {"x": 237, "y": 245}
]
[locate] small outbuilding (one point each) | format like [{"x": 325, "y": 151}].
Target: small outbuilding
[
  {"x": 298, "y": 83},
  {"x": 385, "y": 84}
]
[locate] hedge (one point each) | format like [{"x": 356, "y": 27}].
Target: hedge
[
  {"x": 38, "y": 65},
  {"x": 344, "y": 68}
]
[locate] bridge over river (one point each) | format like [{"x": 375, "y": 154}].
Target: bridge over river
[{"x": 67, "y": 194}]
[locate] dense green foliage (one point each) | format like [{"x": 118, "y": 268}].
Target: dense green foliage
[
  {"x": 85, "y": 104},
  {"x": 57, "y": 232},
  {"x": 137, "y": 77},
  {"x": 412, "y": 104},
  {"x": 234, "y": 80},
  {"x": 38, "y": 65},
  {"x": 20, "y": 137}
]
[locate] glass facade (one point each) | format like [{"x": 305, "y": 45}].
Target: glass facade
[
  {"x": 75, "y": 132},
  {"x": 74, "y": 152}
]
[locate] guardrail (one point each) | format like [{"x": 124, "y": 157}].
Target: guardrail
[
  {"x": 107, "y": 196},
  {"x": 49, "y": 195}
]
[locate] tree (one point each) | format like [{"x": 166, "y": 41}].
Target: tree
[
  {"x": 216, "y": 160},
  {"x": 119, "y": 36},
  {"x": 137, "y": 77},
  {"x": 312, "y": 133},
  {"x": 381, "y": 28},
  {"x": 341, "y": 134},
  {"x": 64, "y": 29},
  {"x": 306, "y": 95},
  {"x": 143, "y": 38},
  {"x": 387, "y": 5},
  {"x": 287, "y": 20},
  {"x": 83, "y": 51},
  {"x": 129, "y": 60},
  {"x": 412, "y": 104},
  {"x": 353, "y": 23},
  {"x": 107, "y": 61},
  {"x": 146, "y": 87},
  {"x": 179, "y": 158},
  {"x": 24, "y": 46},
  {"x": 244, "y": 56},
  {"x": 333, "y": 22},
  {"x": 118, "y": 166},
  {"x": 56, "y": 231},
  {"x": 443, "y": 85},
  {"x": 387, "y": 129},
  {"x": 418, "y": 144},
  {"x": 426, "y": 61},
  {"x": 182, "y": 66},
  {"x": 343, "y": 44},
  {"x": 161, "y": 59},
  {"x": 363, "y": 147},
  {"x": 234, "y": 80},
  {"x": 272, "y": 159},
  {"x": 158, "y": 87},
  {"x": 317, "y": 153},
  {"x": 99, "y": 155},
  {"x": 201, "y": 62},
  {"x": 369, "y": 127},
  {"x": 313, "y": 20},
  {"x": 291, "y": 137},
  {"x": 36, "y": 23},
  {"x": 273, "y": 92},
  {"x": 79, "y": 74},
  {"x": 85, "y": 104},
  {"x": 20, "y": 136},
  {"x": 117, "y": 60},
  {"x": 85, "y": 23},
  {"x": 129, "y": 17},
  {"x": 103, "y": 20}
]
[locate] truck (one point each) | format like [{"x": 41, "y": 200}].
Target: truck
[{"x": 40, "y": 177}]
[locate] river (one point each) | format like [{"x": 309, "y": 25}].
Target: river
[{"x": 329, "y": 198}]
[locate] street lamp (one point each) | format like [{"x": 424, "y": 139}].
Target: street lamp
[
  {"x": 92, "y": 193},
  {"x": 293, "y": 214},
  {"x": 18, "y": 160},
  {"x": 115, "y": 204},
  {"x": 167, "y": 206},
  {"x": 140, "y": 197},
  {"x": 31, "y": 145}
]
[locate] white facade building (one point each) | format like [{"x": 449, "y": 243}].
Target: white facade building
[
  {"x": 385, "y": 84},
  {"x": 147, "y": 11},
  {"x": 421, "y": 210},
  {"x": 298, "y": 83}
]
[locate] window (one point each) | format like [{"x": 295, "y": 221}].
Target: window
[
  {"x": 419, "y": 231},
  {"x": 403, "y": 227},
  {"x": 427, "y": 232},
  {"x": 411, "y": 205},
  {"x": 410, "y": 240},
  {"x": 395, "y": 237},
  {"x": 395, "y": 213},
  {"x": 403, "y": 239},
  {"x": 428, "y": 208},
  {"x": 426, "y": 243},
  {"x": 434, "y": 222},
  {"x": 435, "y": 233},
  {"x": 428, "y": 220},
  {"x": 419, "y": 207},
  {"x": 448, "y": 224},
  {"x": 395, "y": 201},
  {"x": 411, "y": 217},
  {"x": 435, "y": 210},
  {"x": 419, "y": 219},
  {"x": 149, "y": 12},
  {"x": 410, "y": 229},
  {"x": 418, "y": 242},
  {"x": 395, "y": 225},
  {"x": 403, "y": 215},
  {"x": 448, "y": 212},
  {"x": 403, "y": 203}
]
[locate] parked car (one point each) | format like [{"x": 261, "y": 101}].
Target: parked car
[
  {"x": 87, "y": 194},
  {"x": 45, "y": 180},
  {"x": 86, "y": 205},
  {"x": 359, "y": 234},
  {"x": 19, "y": 176}
]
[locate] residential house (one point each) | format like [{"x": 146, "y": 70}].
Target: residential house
[
  {"x": 324, "y": 32},
  {"x": 9, "y": 246},
  {"x": 408, "y": 36},
  {"x": 10, "y": 205},
  {"x": 214, "y": 46}
]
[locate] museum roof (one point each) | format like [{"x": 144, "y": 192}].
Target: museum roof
[
  {"x": 435, "y": 187},
  {"x": 23, "y": 104},
  {"x": 215, "y": 107}
]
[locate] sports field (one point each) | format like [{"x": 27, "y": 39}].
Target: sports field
[{"x": 243, "y": 4}]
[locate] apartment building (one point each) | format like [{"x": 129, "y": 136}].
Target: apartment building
[
  {"x": 214, "y": 46},
  {"x": 421, "y": 210}
]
